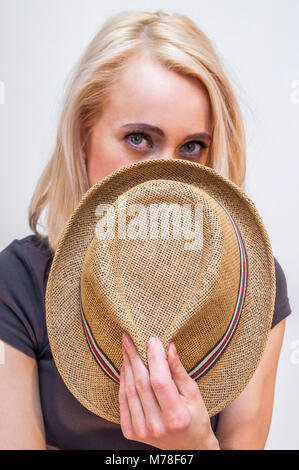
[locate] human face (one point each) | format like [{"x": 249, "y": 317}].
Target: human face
[{"x": 147, "y": 92}]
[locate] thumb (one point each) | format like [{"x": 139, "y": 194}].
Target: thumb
[{"x": 185, "y": 384}]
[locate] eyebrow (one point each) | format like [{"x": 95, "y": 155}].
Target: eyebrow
[{"x": 157, "y": 130}]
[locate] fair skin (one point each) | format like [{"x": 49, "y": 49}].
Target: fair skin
[
  {"x": 177, "y": 106},
  {"x": 159, "y": 405}
]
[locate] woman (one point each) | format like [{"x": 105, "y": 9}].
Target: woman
[{"x": 148, "y": 86}]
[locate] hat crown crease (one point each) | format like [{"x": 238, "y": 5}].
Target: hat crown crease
[{"x": 155, "y": 287}]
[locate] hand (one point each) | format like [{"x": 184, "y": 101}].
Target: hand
[{"x": 162, "y": 406}]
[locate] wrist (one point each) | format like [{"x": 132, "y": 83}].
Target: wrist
[
  {"x": 210, "y": 442},
  {"x": 213, "y": 443}
]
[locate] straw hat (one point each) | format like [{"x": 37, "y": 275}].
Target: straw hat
[{"x": 166, "y": 248}]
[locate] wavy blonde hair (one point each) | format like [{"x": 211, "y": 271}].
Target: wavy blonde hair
[{"x": 182, "y": 47}]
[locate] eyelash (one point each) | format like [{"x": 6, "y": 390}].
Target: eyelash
[{"x": 148, "y": 138}]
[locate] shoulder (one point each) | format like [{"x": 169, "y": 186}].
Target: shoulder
[
  {"x": 27, "y": 247},
  {"x": 28, "y": 257},
  {"x": 282, "y": 306},
  {"x": 24, "y": 268}
]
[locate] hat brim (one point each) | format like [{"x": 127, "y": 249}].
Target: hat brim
[{"x": 233, "y": 371}]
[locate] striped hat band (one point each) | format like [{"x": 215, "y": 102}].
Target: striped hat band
[{"x": 213, "y": 355}]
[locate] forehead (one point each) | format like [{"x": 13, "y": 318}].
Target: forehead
[{"x": 149, "y": 92}]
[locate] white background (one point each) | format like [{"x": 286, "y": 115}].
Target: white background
[{"x": 258, "y": 41}]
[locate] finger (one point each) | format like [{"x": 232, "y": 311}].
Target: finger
[
  {"x": 163, "y": 385},
  {"x": 187, "y": 386},
  {"x": 150, "y": 405},
  {"x": 134, "y": 403},
  {"x": 125, "y": 416}
]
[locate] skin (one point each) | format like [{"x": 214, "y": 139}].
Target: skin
[
  {"x": 161, "y": 406},
  {"x": 160, "y": 97}
]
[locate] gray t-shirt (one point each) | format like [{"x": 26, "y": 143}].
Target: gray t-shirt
[{"x": 24, "y": 269}]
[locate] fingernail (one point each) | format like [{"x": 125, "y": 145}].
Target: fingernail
[
  {"x": 174, "y": 351},
  {"x": 151, "y": 343},
  {"x": 125, "y": 356},
  {"x": 127, "y": 340}
]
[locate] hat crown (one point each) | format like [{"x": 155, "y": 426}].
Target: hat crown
[{"x": 169, "y": 267}]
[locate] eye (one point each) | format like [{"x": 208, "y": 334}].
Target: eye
[
  {"x": 135, "y": 139},
  {"x": 142, "y": 141},
  {"x": 190, "y": 146}
]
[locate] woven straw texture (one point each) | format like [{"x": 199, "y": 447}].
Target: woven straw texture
[{"x": 155, "y": 287}]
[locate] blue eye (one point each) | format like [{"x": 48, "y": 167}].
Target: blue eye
[
  {"x": 192, "y": 144},
  {"x": 135, "y": 140},
  {"x": 139, "y": 139}
]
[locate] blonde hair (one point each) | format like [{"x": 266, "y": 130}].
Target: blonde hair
[{"x": 182, "y": 47}]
